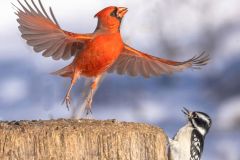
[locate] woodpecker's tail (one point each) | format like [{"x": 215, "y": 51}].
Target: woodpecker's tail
[{"x": 65, "y": 72}]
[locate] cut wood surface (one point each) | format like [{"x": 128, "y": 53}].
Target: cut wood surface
[{"x": 81, "y": 140}]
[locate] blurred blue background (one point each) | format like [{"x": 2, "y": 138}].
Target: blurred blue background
[{"x": 170, "y": 29}]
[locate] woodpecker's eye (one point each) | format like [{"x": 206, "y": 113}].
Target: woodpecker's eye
[
  {"x": 194, "y": 115},
  {"x": 114, "y": 13}
]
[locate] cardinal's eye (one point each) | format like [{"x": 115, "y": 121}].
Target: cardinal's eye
[{"x": 114, "y": 13}]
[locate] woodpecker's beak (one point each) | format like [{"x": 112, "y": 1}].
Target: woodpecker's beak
[
  {"x": 187, "y": 112},
  {"x": 121, "y": 11}
]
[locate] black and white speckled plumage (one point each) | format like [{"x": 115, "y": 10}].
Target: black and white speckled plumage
[{"x": 197, "y": 143}]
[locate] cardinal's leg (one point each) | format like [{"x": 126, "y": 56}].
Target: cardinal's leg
[
  {"x": 93, "y": 89},
  {"x": 67, "y": 98}
]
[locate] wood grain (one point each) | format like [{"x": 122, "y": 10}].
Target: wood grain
[{"x": 81, "y": 140}]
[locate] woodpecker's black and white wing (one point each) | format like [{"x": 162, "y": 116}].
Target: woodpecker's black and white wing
[{"x": 197, "y": 142}]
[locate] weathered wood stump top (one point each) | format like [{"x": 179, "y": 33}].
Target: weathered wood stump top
[{"x": 81, "y": 140}]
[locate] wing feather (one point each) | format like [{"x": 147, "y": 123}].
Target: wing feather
[
  {"x": 123, "y": 65},
  {"x": 134, "y": 63},
  {"x": 50, "y": 51},
  {"x": 67, "y": 52},
  {"x": 42, "y": 31},
  {"x": 197, "y": 144},
  {"x": 132, "y": 68},
  {"x": 40, "y": 47},
  {"x": 143, "y": 70},
  {"x": 59, "y": 52}
]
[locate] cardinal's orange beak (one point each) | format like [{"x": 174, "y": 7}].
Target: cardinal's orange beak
[{"x": 121, "y": 11}]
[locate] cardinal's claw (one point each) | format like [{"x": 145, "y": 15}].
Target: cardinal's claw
[
  {"x": 89, "y": 106},
  {"x": 89, "y": 111},
  {"x": 67, "y": 100}
]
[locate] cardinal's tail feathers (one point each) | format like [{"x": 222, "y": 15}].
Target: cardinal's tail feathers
[{"x": 64, "y": 72}]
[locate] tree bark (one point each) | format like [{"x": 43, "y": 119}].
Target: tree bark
[{"x": 81, "y": 140}]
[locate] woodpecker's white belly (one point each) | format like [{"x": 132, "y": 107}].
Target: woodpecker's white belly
[{"x": 180, "y": 145}]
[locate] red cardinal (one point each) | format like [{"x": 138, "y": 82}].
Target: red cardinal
[{"x": 94, "y": 53}]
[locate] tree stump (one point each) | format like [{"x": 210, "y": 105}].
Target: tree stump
[{"x": 81, "y": 140}]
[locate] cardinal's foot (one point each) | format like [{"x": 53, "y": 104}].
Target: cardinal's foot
[
  {"x": 89, "y": 114},
  {"x": 67, "y": 100},
  {"x": 89, "y": 106},
  {"x": 88, "y": 111}
]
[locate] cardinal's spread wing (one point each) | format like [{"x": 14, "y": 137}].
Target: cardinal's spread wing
[
  {"x": 134, "y": 63},
  {"x": 44, "y": 34}
]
